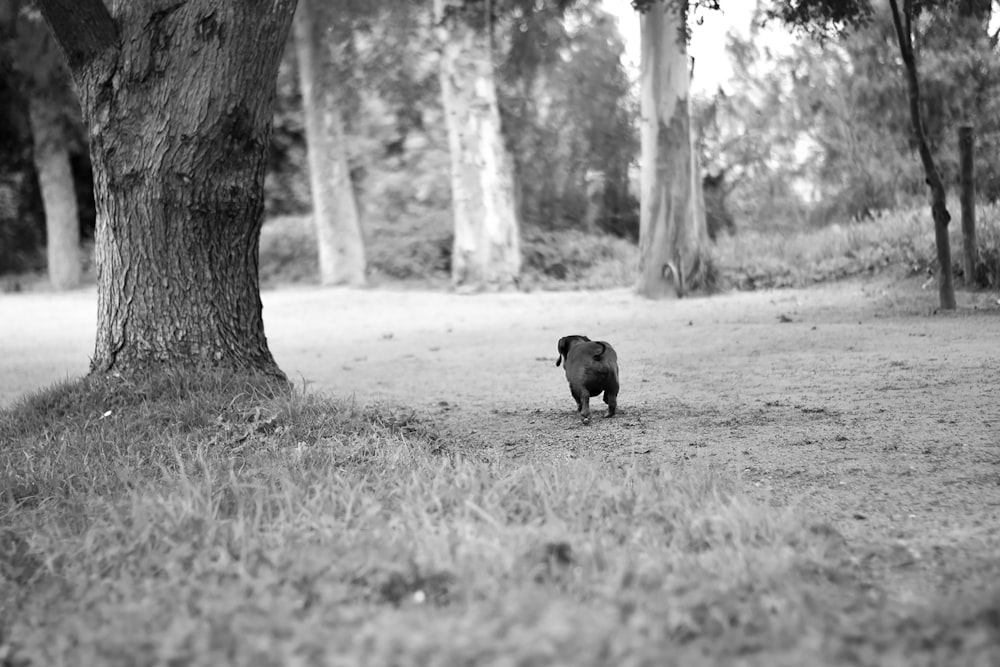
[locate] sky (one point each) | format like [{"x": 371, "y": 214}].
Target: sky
[{"x": 708, "y": 40}]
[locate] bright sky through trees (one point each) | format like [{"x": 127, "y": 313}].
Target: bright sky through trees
[{"x": 708, "y": 39}]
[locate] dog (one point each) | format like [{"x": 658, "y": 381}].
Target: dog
[{"x": 591, "y": 367}]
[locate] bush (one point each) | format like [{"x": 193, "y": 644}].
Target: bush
[
  {"x": 288, "y": 252},
  {"x": 898, "y": 238},
  {"x": 573, "y": 259}
]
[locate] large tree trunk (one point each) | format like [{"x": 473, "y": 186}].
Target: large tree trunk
[
  {"x": 335, "y": 211},
  {"x": 178, "y": 98},
  {"x": 939, "y": 209},
  {"x": 487, "y": 249},
  {"x": 671, "y": 222},
  {"x": 55, "y": 178}
]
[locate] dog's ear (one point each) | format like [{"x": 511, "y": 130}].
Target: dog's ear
[{"x": 563, "y": 348}]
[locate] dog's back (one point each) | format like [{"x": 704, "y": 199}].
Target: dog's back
[{"x": 597, "y": 365}]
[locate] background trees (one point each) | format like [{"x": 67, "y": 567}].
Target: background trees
[
  {"x": 568, "y": 113},
  {"x": 55, "y": 129},
  {"x": 801, "y": 137},
  {"x": 965, "y": 22},
  {"x": 567, "y": 119},
  {"x": 21, "y": 212},
  {"x": 40, "y": 92},
  {"x": 323, "y": 40}
]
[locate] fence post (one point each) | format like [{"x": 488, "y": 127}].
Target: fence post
[{"x": 966, "y": 148}]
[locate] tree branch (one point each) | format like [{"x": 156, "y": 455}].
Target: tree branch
[
  {"x": 910, "y": 65},
  {"x": 83, "y": 28}
]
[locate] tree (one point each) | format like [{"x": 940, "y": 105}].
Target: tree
[
  {"x": 319, "y": 42},
  {"x": 178, "y": 101},
  {"x": 20, "y": 204},
  {"x": 939, "y": 206},
  {"x": 568, "y": 116},
  {"x": 487, "y": 249},
  {"x": 55, "y": 117},
  {"x": 747, "y": 137},
  {"x": 671, "y": 219},
  {"x": 838, "y": 15}
]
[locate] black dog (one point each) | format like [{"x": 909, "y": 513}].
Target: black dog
[{"x": 591, "y": 367}]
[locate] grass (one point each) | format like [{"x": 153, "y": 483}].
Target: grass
[
  {"x": 206, "y": 520},
  {"x": 900, "y": 238}
]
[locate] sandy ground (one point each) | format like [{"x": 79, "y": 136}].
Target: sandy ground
[{"x": 856, "y": 400}]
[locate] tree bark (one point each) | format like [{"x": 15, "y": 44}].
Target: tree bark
[
  {"x": 487, "y": 247},
  {"x": 335, "y": 210},
  {"x": 939, "y": 208},
  {"x": 179, "y": 103},
  {"x": 671, "y": 222},
  {"x": 55, "y": 178},
  {"x": 84, "y": 29}
]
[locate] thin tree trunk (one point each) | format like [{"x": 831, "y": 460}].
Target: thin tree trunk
[
  {"x": 178, "y": 98},
  {"x": 487, "y": 248},
  {"x": 670, "y": 220},
  {"x": 335, "y": 210},
  {"x": 55, "y": 178},
  {"x": 970, "y": 251},
  {"x": 939, "y": 208}
]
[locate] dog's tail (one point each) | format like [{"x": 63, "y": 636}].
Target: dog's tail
[{"x": 604, "y": 348}]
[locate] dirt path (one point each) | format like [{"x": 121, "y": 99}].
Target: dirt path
[{"x": 854, "y": 399}]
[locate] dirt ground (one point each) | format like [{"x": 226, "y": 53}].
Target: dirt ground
[{"x": 856, "y": 400}]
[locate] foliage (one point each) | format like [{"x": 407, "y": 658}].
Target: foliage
[
  {"x": 643, "y": 6},
  {"x": 821, "y": 132},
  {"x": 836, "y": 17},
  {"x": 749, "y": 139},
  {"x": 420, "y": 251},
  {"x": 572, "y": 259},
  {"x": 566, "y": 110},
  {"x": 395, "y": 136},
  {"x": 898, "y": 240},
  {"x": 569, "y": 119},
  {"x": 822, "y": 17}
]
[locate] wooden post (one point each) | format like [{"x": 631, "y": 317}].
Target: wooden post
[{"x": 966, "y": 148}]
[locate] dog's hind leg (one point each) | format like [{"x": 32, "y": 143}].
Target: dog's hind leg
[
  {"x": 612, "y": 401},
  {"x": 611, "y": 396},
  {"x": 585, "y": 406}
]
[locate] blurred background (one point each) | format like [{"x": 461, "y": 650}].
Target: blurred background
[{"x": 809, "y": 167}]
